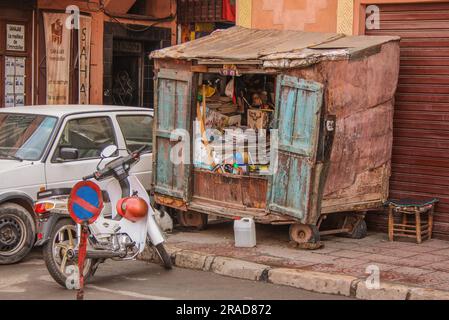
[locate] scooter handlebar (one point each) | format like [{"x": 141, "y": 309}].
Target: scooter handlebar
[
  {"x": 141, "y": 149},
  {"x": 91, "y": 176},
  {"x": 130, "y": 159}
]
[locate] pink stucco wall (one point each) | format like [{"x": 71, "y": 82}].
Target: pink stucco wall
[{"x": 306, "y": 15}]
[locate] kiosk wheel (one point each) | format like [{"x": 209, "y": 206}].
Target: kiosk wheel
[
  {"x": 304, "y": 233},
  {"x": 193, "y": 219}
]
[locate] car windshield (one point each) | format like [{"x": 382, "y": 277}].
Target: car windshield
[{"x": 24, "y": 136}]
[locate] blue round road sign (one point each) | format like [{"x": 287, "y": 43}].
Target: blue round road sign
[{"x": 85, "y": 202}]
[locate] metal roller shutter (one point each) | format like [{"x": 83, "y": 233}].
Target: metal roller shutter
[{"x": 421, "y": 128}]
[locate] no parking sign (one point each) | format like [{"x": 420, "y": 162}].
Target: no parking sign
[
  {"x": 85, "y": 202},
  {"x": 85, "y": 205}
]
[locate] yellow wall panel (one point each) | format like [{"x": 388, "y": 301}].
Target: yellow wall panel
[
  {"x": 244, "y": 12},
  {"x": 345, "y": 16}
]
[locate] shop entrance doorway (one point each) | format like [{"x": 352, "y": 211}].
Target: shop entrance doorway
[
  {"x": 126, "y": 80},
  {"x": 128, "y": 70}
]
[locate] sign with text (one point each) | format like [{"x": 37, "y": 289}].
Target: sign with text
[
  {"x": 57, "y": 42},
  {"x": 15, "y": 81},
  {"x": 84, "y": 37},
  {"x": 15, "y": 37}
]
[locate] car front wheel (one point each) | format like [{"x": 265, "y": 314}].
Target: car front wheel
[{"x": 17, "y": 234}]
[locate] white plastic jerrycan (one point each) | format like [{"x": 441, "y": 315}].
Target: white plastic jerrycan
[{"x": 245, "y": 233}]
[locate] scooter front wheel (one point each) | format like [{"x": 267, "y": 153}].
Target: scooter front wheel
[
  {"x": 61, "y": 268},
  {"x": 164, "y": 256}
]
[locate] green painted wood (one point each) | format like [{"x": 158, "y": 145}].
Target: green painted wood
[
  {"x": 173, "y": 104},
  {"x": 298, "y": 111}
]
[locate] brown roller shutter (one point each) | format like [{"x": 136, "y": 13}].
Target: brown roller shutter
[{"x": 420, "y": 166}]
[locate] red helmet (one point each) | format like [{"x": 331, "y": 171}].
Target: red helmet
[{"x": 132, "y": 208}]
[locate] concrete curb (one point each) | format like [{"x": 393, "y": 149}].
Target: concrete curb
[
  {"x": 312, "y": 281},
  {"x": 302, "y": 279}
]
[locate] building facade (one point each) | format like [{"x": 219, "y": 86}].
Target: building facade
[
  {"x": 104, "y": 59},
  {"x": 420, "y": 163},
  {"x": 49, "y": 56}
]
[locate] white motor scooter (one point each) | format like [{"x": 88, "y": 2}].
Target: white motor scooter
[{"x": 120, "y": 236}]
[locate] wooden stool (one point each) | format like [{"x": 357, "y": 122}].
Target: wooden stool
[{"x": 416, "y": 208}]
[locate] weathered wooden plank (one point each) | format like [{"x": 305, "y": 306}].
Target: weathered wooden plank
[
  {"x": 298, "y": 193},
  {"x": 173, "y": 112},
  {"x": 298, "y": 112},
  {"x": 299, "y": 109},
  {"x": 164, "y": 174},
  {"x": 166, "y": 104},
  {"x": 286, "y": 115},
  {"x": 279, "y": 184},
  {"x": 306, "y": 128},
  {"x": 231, "y": 189}
]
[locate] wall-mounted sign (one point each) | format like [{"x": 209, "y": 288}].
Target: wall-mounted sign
[
  {"x": 230, "y": 70},
  {"x": 127, "y": 47},
  {"x": 14, "y": 81},
  {"x": 84, "y": 35},
  {"x": 15, "y": 37},
  {"x": 57, "y": 42}
]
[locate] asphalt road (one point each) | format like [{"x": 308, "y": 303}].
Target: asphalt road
[{"x": 133, "y": 280}]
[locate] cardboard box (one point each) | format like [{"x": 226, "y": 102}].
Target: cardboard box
[
  {"x": 259, "y": 119},
  {"x": 219, "y": 121}
]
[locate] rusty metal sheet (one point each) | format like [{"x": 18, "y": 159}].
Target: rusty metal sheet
[
  {"x": 242, "y": 44},
  {"x": 359, "y": 165},
  {"x": 356, "y": 44},
  {"x": 170, "y": 202}
]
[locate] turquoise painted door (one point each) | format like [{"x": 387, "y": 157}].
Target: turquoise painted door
[
  {"x": 172, "y": 112},
  {"x": 298, "y": 112}
]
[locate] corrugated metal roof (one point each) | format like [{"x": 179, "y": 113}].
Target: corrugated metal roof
[{"x": 272, "y": 48}]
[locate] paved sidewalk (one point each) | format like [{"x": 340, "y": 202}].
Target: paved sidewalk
[{"x": 402, "y": 263}]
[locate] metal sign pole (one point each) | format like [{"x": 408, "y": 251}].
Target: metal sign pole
[{"x": 82, "y": 252}]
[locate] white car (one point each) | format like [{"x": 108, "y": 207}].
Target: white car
[{"x": 53, "y": 147}]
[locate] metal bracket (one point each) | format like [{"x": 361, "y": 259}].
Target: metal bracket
[{"x": 330, "y": 125}]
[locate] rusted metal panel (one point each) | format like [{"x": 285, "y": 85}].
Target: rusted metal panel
[
  {"x": 238, "y": 43},
  {"x": 286, "y": 49},
  {"x": 359, "y": 94},
  {"x": 420, "y": 149},
  {"x": 170, "y": 202}
]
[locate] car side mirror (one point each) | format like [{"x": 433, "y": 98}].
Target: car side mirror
[
  {"x": 69, "y": 154},
  {"x": 108, "y": 151}
]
